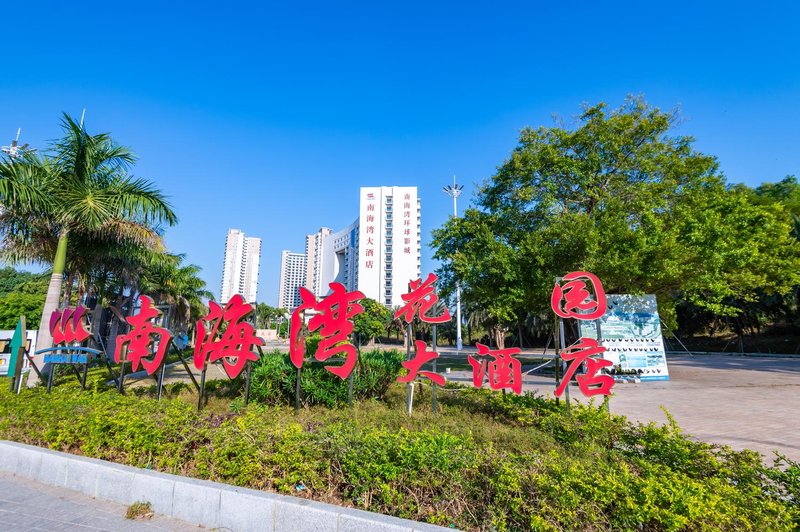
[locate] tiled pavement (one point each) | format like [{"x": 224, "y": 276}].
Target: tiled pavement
[
  {"x": 744, "y": 402},
  {"x": 29, "y": 505}
]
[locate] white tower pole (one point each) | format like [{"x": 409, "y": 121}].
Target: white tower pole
[{"x": 454, "y": 192}]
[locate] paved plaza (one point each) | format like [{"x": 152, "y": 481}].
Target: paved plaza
[{"x": 29, "y": 505}]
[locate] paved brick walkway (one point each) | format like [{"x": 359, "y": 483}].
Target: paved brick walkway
[
  {"x": 744, "y": 402},
  {"x": 29, "y": 505}
]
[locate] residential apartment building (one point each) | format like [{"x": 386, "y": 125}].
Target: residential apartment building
[
  {"x": 314, "y": 261},
  {"x": 241, "y": 265},
  {"x": 292, "y": 277}
]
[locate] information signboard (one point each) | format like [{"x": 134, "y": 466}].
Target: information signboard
[
  {"x": 5, "y": 349},
  {"x": 631, "y": 333}
]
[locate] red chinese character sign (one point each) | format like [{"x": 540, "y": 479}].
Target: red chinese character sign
[
  {"x": 141, "y": 337},
  {"x": 67, "y": 326},
  {"x": 420, "y": 300},
  {"x": 421, "y": 357},
  {"x": 584, "y": 350},
  {"x": 333, "y": 320},
  {"x": 504, "y": 371},
  {"x": 572, "y": 298},
  {"x": 222, "y": 335}
]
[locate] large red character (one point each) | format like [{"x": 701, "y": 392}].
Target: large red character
[
  {"x": 421, "y": 357},
  {"x": 66, "y": 326},
  {"x": 504, "y": 371},
  {"x": 141, "y": 336},
  {"x": 420, "y": 300},
  {"x": 235, "y": 345},
  {"x": 333, "y": 320},
  {"x": 590, "y": 383},
  {"x": 571, "y": 299}
]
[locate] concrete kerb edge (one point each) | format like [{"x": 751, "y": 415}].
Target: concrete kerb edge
[
  {"x": 214, "y": 505},
  {"x": 731, "y": 354}
]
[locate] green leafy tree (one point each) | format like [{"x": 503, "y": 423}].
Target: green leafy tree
[
  {"x": 619, "y": 196},
  {"x": 373, "y": 321},
  {"x": 25, "y": 296},
  {"x": 768, "y": 307},
  {"x": 11, "y": 280},
  {"x": 786, "y": 192},
  {"x": 17, "y": 304},
  {"x": 267, "y": 315}
]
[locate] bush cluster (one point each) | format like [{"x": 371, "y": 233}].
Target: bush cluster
[
  {"x": 274, "y": 379},
  {"x": 487, "y": 461}
]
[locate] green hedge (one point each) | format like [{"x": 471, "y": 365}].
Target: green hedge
[
  {"x": 487, "y": 462},
  {"x": 274, "y": 378}
]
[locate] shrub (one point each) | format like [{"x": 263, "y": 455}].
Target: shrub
[
  {"x": 274, "y": 378},
  {"x": 487, "y": 462}
]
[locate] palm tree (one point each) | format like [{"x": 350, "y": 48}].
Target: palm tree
[
  {"x": 172, "y": 283},
  {"x": 477, "y": 320},
  {"x": 83, "y": 193}
]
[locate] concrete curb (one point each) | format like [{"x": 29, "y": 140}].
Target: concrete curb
[
  {"x": 209, "y": 504},
  {"x": 732, "y": 354}
]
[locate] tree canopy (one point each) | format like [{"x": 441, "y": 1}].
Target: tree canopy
[
  {"x": 621, "y": 196},
  {"x": 267, "y": 314},
  {"x": 21, "y": 293},
  {"x": 373, "y": 321}
]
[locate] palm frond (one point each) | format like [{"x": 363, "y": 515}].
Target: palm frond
[{"x": 140, "y": 199}]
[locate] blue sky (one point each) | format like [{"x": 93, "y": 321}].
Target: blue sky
[{"x": 268, "y": 117}]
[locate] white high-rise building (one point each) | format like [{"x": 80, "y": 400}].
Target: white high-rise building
[
  {"x": 240, "y": 270},
  {"x": 293, "y": 276},
  {"x": 314, "y": 261},
  {"x": 340, "y": 259},
  {"x": 389, "y": 240},
  {"x": 378, "y": 254}
]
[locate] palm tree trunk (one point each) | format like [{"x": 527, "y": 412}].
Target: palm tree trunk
[
  {"x": 66, "y": 300},
  {"x": 44, "y": 339}
]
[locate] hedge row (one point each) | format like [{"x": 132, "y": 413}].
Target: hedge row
[{"x": 487, "y": 462}]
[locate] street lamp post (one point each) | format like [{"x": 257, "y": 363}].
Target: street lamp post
[{"x": 454, "y": 191}]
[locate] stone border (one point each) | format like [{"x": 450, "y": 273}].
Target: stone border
[
  {"x": 201, "y": 502},
  {"x": 733, "y": 354}
]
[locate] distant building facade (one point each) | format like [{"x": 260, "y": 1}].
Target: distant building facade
[
  {"x": 340, "y": 259},
  {"x": 241, "y": 265},
  {"x": 378, "y": 254},
  {"x": 292, "y": 277},
  {"x": 314, "y": 261},
  {"x": 388, "y": 242}
]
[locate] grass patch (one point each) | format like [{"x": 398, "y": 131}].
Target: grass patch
[
  {"x": 139, "y": 510},
  {"x": 487, "y": 461}
]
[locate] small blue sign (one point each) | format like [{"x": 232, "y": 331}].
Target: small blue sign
[{"x": 75, "y": 358}]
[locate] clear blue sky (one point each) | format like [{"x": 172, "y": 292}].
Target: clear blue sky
[{"x": 269, "y": 117}]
